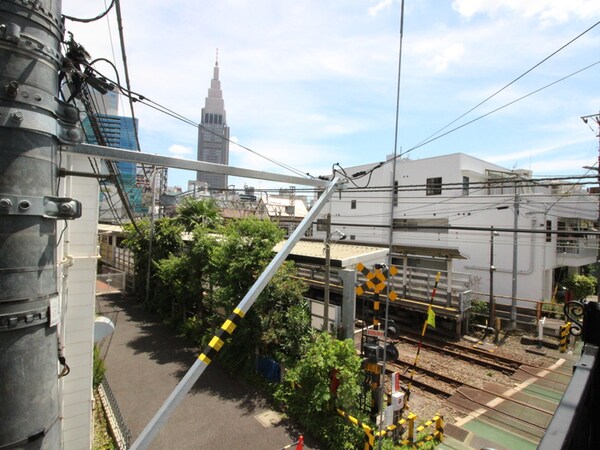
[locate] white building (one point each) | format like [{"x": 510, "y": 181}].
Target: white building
[{"x": 460, "y": 198}]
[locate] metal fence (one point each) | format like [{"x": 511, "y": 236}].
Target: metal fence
[
  {"x": 119, "y": 429},
  {"x": 111, "y": 281}
]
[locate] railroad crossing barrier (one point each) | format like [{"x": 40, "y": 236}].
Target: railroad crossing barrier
[
  {"x": 298, "y": 445},
  {"x": 402, "y": 426},
  {"x": 436, "y": 433},
  {"x": 564, "y": 336}
]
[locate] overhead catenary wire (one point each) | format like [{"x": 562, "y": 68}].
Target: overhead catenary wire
[
  {"x": 93, "y": 19},
  {"x": 506, "y": 86}
]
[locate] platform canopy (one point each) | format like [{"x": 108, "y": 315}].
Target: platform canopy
[{"x": 342, "y": 255}]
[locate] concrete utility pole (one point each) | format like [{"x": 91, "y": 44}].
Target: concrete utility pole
[
  {"x": 326, "y": 288},
  {"x": 586, "y": 119},
  {"x": 515, "y": 273},
  {"x": 33, "y": 123},
  {"x": 492, "y": 302}
]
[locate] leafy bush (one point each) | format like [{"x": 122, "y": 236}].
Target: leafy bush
[
  {"x": 581, "y": 286},
  {"x": 99, "y": 369},
  {"x": 307, "y": 396},
  {"x": 478, "y": 313}
]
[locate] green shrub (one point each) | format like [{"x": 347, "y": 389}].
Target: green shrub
[
  {"x": 99, "y": 368},
  {"x": 581, "y": 286},
  {"x": 306, "y": 394},
  {"x": 478, "y": 313}
]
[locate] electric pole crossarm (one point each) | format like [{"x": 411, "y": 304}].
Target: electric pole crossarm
[
  {"x": 230, "y": 324},
  {"x": 117, "y": 154}
]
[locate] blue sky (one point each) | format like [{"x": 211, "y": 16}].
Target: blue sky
[{"x": 311, "y": 83}]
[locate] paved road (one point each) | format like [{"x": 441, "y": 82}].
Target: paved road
[{"x": 145, "y": 361}]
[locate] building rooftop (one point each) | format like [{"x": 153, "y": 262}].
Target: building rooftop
[{"x": 342, "y": 255}]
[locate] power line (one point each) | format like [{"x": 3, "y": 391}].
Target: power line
[
  {"x": 135, "y": 97},
  {"x": 497, "y": 109},
  {"x": 510, "y": 84},
  {"x": 93, "y": 19}
]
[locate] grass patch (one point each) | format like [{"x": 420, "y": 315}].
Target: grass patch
[{"x": 102, "y": 438}]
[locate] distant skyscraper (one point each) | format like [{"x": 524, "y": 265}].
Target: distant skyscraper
[
  {"x": 118, "y": 132},
  {"x": 213, "y": 134}
]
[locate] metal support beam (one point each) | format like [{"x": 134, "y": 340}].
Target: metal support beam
[
  {"x": 245, "y": 304},
  {"x": 116, "y": 154},
  {"x": 348, "y": 279}
]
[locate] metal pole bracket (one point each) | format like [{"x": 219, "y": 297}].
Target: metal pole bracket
[{"x": 49, "y": 207}]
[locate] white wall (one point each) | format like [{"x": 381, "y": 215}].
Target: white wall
[{"x": 77, "y": 284}]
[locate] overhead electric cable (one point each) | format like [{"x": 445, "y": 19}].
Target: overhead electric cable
[
  {"x": 165, "y": 110},
  {"x": 126, "y": 70},
  {"x": 93, "y": 19},
  {"x": 512, "y": 82},
  {"x": 496, "y": 110}
]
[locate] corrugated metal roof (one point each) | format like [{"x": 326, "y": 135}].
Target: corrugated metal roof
[
  {"x": 342, "y": 255},
  {"x": 109, "y": 228}
]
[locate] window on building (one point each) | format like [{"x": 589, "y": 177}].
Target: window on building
[
  {"x": 321, "y": 225},
  {"x": 395, "y": 198},
  {"x": 352, "y": 237},
  {"x": 353, "y": 204},
  {"x": 434, "y": 186},
  {"x": 465, "y": 186},
  {"x": 548, "y": 228}
]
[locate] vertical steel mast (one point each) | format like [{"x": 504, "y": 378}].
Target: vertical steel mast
[{"x": 32, "y": 124}]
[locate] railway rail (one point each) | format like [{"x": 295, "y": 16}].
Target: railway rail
[
  {"x": 430, "y": 381},
  {"x": 469, "y": 354},
  {"x": 427, "y": 379}
]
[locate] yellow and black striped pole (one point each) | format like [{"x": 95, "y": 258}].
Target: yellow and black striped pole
[
  {"x": 370, "y": 437},
  {"x": 217, "y": 342},
  {"x": 564, "y": 336}
]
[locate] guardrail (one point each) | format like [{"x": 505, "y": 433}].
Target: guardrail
[
  {"x": 419, "y": 284},
  {"x": 118, "y": 429}
]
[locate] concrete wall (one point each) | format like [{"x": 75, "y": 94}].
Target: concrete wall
[{"x": 77, "y": 281}]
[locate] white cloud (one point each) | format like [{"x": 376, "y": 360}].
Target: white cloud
[
  {"x": 180, "y": 150},
  {"x": 383, "y": 4},
  {"x": 547, "y": 12},
  {"x": 441, "y": 60}
]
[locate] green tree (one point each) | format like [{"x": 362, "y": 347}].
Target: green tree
[
  {"x": 582, "y": 286},
  {"x": 193, "y": 212},
  {"x": 284, "y": 317},
  {"x": 307, "y": 396},
  {"x": 185, "y": 278},
  {"x": 166, "y": 241},
  {"x": 246, "y": 248}
]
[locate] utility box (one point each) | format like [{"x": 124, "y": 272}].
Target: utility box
[{"x": 398, "y": 399}]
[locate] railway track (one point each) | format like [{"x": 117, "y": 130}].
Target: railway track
[
  {"x": 426, "y": 379},
  {"x": 445, "y": 386},
  {"x": 472, "y": 355}
]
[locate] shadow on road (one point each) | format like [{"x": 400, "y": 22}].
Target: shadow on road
[{"x": 161, "y": 344}]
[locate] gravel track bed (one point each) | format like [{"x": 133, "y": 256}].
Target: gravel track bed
[{"x": 427, "y": 405}]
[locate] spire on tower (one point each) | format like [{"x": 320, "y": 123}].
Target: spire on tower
[{"x": 217, "y": 58}]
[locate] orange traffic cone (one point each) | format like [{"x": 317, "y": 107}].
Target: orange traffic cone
[{"x": 300, "y": 445}]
